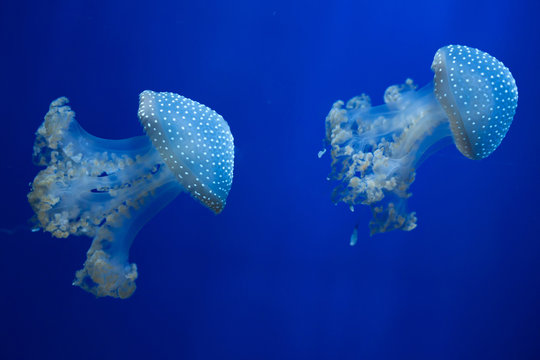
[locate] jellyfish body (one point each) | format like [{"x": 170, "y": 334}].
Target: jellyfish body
[
  {"x": 376, "y": 150},
  {"x": 108, "y": 189}
]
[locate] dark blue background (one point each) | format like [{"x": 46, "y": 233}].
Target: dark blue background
[{"x": 273, "y": 276}]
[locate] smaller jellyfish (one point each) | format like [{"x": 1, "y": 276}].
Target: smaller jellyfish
[
  {"x": 108, "y": 189},
  {"x": 375, "y": 150}
]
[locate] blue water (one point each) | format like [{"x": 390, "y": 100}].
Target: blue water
[{"x": 273, "y": 276}]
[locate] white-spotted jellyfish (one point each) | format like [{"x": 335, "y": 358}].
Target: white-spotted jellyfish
[
  {"x": 108, "y": 189},
  {"x": 376, "y": 150}
]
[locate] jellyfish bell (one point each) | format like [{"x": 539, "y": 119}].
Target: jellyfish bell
[
  {"x": 195, "y": 142},
  {"x": 479, "y": 95},
  {"x": 108, "y": 189},
  {"x": 376, "y": 150}
]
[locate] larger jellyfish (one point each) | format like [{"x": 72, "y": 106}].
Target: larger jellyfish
[
  {"x": 108, "y": 189},
  {"x": 376, "y": 150}
]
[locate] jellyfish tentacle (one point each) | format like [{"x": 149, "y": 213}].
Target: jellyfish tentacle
[
  {"x": 104, "y": 189},
  {"x": 375, "y": 150}
]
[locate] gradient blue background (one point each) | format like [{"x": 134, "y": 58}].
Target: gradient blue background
[{"x": 273, "y": 276}]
